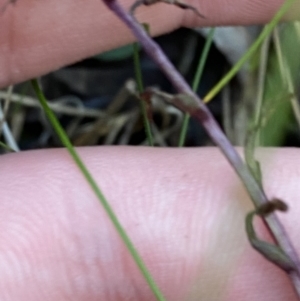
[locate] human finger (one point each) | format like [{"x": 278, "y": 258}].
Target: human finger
[
  {"x": 184, "y": 210},
  {"x": 37, "y": 36}
]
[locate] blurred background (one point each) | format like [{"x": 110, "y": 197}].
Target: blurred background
[{"x": 97, "y": 103}]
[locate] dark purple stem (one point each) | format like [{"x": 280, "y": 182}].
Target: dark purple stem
[{"x": 207, "y": 120}]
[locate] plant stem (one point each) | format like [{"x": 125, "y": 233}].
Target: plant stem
[
  {"x": 198, "y": 110},
  {"x": 196, "y": 82},
  {"x": 266, "y": 31},
  {"x": 140, "y": 87},
  {"x": 114, "y": 219}
]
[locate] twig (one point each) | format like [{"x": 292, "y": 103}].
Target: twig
[
  {"x": 9, "y": 138},
  {"x": 189, "y": 102},
  {"x": 56, "y": 107},
  {"x": 6, "y": 105}
]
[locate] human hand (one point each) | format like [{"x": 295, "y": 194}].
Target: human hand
[
  {"x": 57, "y": 244},
  {"x": 37, "y": 36},
  {"x": 184, "y": 209}
]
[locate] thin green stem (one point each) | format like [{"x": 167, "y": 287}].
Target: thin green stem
[
  {"x": 67, "y": 143},
  {"x": 184, "y": 129},
  {"x": 266, "y": 31},
  {"x": 6, "y": 147},
  {"x": 203, "y": 59},
  {"x": 286, "y": 75},
  {"x": 140, "y": 86},
  {"x": 253, "y": 134},
  {"x": 196, "y": 81}
]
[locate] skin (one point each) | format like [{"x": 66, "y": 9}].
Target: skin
[{"x": 183, "y": 208}]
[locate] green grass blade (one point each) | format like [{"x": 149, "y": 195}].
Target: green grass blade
[
  {"x": 266, "y": 31},
  {"x": 253, "y": 133},
  {"x": 203, "y": 59},
  {"x": 140, "y": 86},
  {"x": 285, "y": 72},
  {"x": 249, "y": 153},
  {"x": 6, "y": 147},
  {"x": 278, "y": 95},
  {"x": 196, "y": 82},
  {"x": 67, "y": 143}
]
